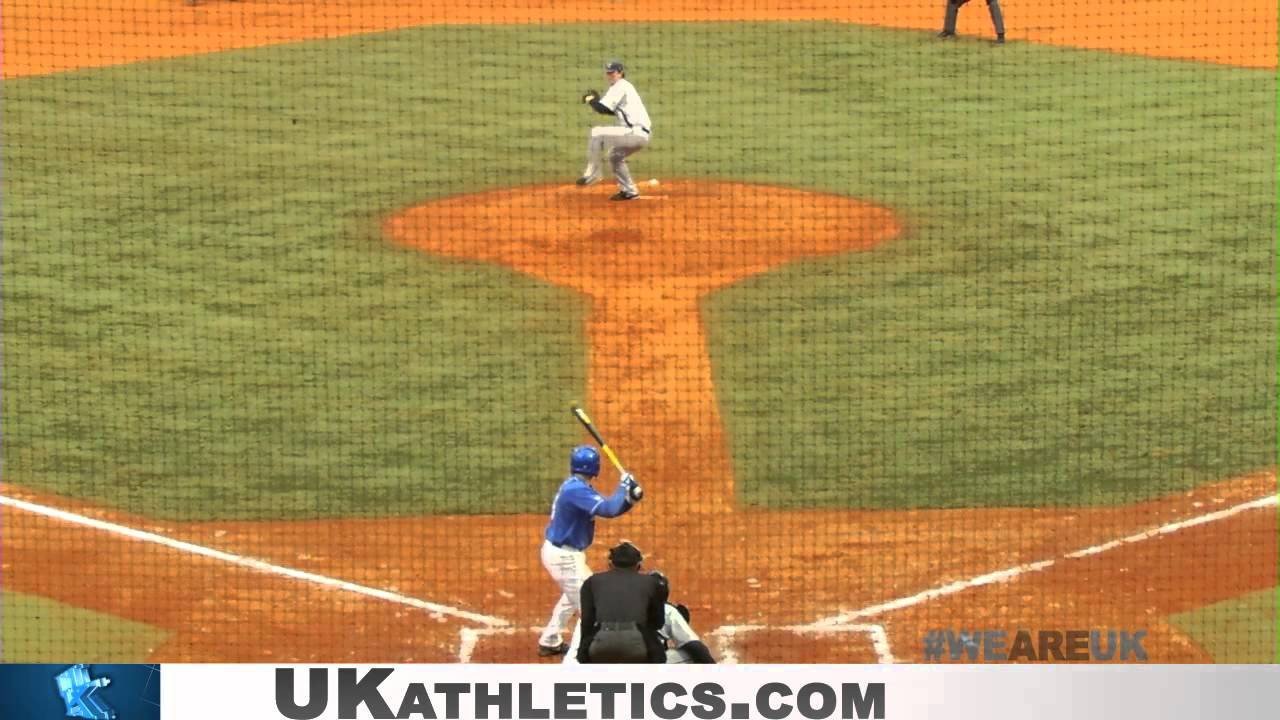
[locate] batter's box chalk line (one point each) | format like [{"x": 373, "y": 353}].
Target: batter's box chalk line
[
  {"x": 728, "y": 634},
  {"x": 469, "y": 638},
  {"x": 491, "y": 625}
]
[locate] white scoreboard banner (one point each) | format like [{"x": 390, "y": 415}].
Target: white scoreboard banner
[{"x": 739, "y": 692}]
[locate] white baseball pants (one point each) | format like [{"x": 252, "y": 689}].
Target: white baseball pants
[
  {"x": 620, "y": 142},
  {"x": 568, "y": 569}
]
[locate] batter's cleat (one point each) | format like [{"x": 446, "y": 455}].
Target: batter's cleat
[
  {"x": 545, "y": 651},
  {"x": 624, "y": 195},
  {"x": 1000, "y": 39},
  {"x": 946, "y": 34},
  {"x": 586, "y": 180}
]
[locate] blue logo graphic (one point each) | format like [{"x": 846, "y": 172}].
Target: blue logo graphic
[
  {"x": 80, "y": 691},
  {"x": 77, "y": 689}
]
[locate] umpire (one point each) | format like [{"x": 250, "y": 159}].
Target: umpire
[
  {"x": 622, "y": 612},
  {"x": 953, "y": 10}
]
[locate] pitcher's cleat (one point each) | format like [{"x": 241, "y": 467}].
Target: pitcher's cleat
[{"x": 624, "y": 195}]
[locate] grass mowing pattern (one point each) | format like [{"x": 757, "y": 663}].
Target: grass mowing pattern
[
  {"x": 1082, "y": 311},
  {"x": 201, "y": 319}
]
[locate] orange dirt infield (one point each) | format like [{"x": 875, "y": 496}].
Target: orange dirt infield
[
  {"x": 736, "y": 567},
  {"x": 645, "y": 264},
  {"x": 744, "y": 568},
  {"x": 765, "y": 586},
  {"x": 47, "y": 37}
]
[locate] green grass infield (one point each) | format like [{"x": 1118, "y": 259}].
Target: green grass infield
[{"x": 201, "y": 319}]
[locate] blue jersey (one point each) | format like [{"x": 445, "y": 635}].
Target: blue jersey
[{"x": 574, "y": 511}]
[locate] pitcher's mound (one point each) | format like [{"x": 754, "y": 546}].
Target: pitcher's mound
[{"x": 686, "y": 233}]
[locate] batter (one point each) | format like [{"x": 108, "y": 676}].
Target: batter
[{"x": 570, "y": 531}]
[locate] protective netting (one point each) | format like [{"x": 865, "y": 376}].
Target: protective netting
[{"x": 904, "y": 336}]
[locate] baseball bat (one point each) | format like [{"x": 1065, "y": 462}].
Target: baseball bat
[{"x": 586, "y": 423}]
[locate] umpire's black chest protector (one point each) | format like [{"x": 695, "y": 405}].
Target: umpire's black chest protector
[
  {"x": 624, "y": 596},
  {"x": 627, "y": 610}
]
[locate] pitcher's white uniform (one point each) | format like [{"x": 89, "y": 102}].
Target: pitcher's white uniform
[{"x": 630, "y": 135}]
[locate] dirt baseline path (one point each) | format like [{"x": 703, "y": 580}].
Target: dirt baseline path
[
  {"x": 47, "y": 37},
  {"x": 766, "y": 569}
]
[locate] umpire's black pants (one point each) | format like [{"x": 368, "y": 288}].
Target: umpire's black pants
[{"x": 624, "y": 643}]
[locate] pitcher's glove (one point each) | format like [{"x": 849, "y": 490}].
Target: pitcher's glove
[{"x": 590, "y": 95}]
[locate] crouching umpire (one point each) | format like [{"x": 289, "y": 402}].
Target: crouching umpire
[{"x": 623, "y": 611}]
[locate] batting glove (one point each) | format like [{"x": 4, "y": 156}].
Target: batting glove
[{"x": 634, "y": 491}]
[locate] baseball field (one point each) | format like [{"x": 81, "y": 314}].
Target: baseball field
[{"x": 910, "y": 333}]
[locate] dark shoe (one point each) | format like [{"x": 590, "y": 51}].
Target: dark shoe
[
  {"x": 1000, "y": 39},
  {"x": 946, "y": 34},
  {"x": 544, "y": 651},
  {"x": 624, "y": 195},
  {"x": 584, "y": 180}
]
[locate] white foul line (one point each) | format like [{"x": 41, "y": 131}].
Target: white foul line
[
  {"x": 470, "y": 637},
  {"x": 261, "y": 566},
  {"x": 729, "y": 656},
  {"x": 1000, "y": 576}
]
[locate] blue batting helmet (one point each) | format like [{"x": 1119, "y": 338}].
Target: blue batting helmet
[{"x": 585, "y": 460}]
